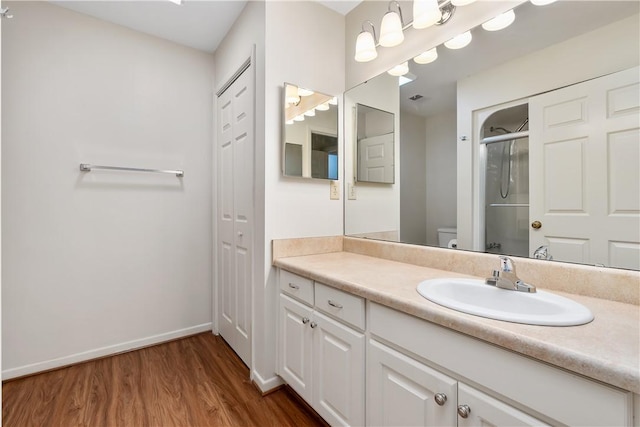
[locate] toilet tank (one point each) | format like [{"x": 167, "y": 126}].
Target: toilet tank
[{"x": 445, "y": 235}]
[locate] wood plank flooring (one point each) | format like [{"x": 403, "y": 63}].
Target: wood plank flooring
[{"x": 195, "y": 381}]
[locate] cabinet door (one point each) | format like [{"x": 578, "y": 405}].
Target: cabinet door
[
  {"x": 339, "y": 368},
  {"x": 487, "y": 411},
  {"x": 295, "y": 343},
  {"x": 402, "y": 391}
]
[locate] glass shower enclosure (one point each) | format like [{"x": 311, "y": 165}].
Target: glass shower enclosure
[{"x": 505, "y": 134}]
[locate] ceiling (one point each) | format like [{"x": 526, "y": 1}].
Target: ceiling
[
  {"x": 200, "y": 24},
  {"x": 534, "y": 28}
]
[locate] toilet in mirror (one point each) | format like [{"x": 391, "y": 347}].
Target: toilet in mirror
[{"x": 526, "y": 142}]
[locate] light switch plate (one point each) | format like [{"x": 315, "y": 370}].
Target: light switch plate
[
  {"x": 334, "y": 190},
  {"x": 351, "y": 191}
]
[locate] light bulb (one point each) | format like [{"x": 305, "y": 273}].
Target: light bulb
[
  {"x": 459, "y": 41},
  {"x": 333, "y": 101},
  {"x": 427, "y": 57},
  {"x": 291, "y": 95},
  {"x": 365, "y": 47},
  {"x": 461, "y": 2},
  {"x": 323, "y": 107},
  {"x": 304, "y": 92},
  {"x": 399, "y": 70},
  {"x": 289, "y": 122},
  {"x": 310, "y": 113},
  {"x": 425, "y": 13},
  {"x": 500, "y": 22},
  {"x": 299, "y": 118},
  {"x": 391, "y": 30},
  {"x": 542, "y": 2}
]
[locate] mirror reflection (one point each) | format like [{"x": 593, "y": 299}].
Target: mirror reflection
[
  {"x": 519, "y": 143},
  {"x": 310, "y": 146},
  {"x": 374, "y": 145}
]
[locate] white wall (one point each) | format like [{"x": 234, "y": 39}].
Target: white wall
[
  {"x": 100, "y": 262},
  {"x": 377, "y": 206},
  {"x": 554, "y": 67},
  {"x": 441, "y": 173},
  {"x": 413, "y": 179},
  {"x": 304, "y": 46}
]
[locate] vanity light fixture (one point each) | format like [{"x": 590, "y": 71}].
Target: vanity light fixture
[
  {"x": 425, "y": 13},
  {"x": 391, "y": 27},
  {"x": 323, "y": 107},
  {"x": 310, "y": 113},
  {"x": 542, "y": 2},
  {"x": 299, "y": 118},
  {"x": 305, "y": 92},
  {"x": 500, "y": 22},
  {"x": 333, "y": 101},
  {"x": 459, "y": 41},
  {"x": 289, "y": 122},
  {"x": 366, "y": 44},
  {"x": 291, "y": 95},
  {"x": 427, "y": 57},
  {"x": 461, "y": 2},
  {"x": 400, "y": 69}
]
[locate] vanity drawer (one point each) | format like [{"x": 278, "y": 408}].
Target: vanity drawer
[
  {"x": 296, "y": 286},
  {"x": 341, "y": 305}
]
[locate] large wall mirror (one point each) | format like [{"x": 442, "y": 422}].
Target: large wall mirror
[
  {"x": 310, "y": 146},
  {"x": 529, "y": 137}
]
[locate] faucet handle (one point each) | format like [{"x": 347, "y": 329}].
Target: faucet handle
[{"x": 506, "y": 264}]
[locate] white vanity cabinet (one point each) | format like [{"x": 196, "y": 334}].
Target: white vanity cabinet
[
  {"x": 508, "y": 389},
  {"x": 321, "y": 348},
  {"x": 401, "y": 391}
]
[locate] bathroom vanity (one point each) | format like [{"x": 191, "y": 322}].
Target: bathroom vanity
[{"x": 362, "y": 347}]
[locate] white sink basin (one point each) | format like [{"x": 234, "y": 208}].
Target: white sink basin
[{"x": 475, "y": 297}]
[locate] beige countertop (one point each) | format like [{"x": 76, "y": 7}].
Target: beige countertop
[{"x": 607, "y": 349}]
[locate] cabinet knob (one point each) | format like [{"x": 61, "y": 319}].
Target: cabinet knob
[
  {"x": 440, "y": 398},
  {"x": 305, "y": 320},
  {"x": 313, "y": 325},
  {"x": 464, "y": 411}
]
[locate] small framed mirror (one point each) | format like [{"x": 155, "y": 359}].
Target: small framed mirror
[
  {"x": 310, "y": 146},
  {"x": 374, "y": 145}
]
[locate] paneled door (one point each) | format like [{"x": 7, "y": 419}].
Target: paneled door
[
  {"x": 584, "y": 175},
  {"x": 235, "y": 147},
  {"x": 375, "y": 159}
]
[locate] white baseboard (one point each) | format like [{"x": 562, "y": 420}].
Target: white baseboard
[
  {"x": 268, "y": 384},
  {"x": 102, "y": 351}
]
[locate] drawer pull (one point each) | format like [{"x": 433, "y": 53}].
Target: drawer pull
[
  {"x": 305, "y": 320},
  {"x": 440, "y": 398},
  {"x": 313, "y": 325},
  {"x": 334, "y": 304},
  {"x": 292, "y": 286},
  {"x": 464, "y": 411}
]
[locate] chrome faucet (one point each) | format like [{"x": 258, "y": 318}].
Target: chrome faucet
[
  {"x": 506, "y": 277},
  {"x": 543, "y": 253}
]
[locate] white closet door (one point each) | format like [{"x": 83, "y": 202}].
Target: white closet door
[
  {"x": 235, "y": 141},
  {"x": 584, "y": 174}
]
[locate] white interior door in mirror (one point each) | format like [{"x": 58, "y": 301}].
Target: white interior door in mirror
[
  {"x": 375, "y": 159},
  {"x": 585, "y": 182}
]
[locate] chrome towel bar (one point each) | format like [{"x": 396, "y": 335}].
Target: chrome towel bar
[{"x": 85, "y": 167}]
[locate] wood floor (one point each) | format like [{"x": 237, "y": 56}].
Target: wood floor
[{"x": 195, "y": 381}]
